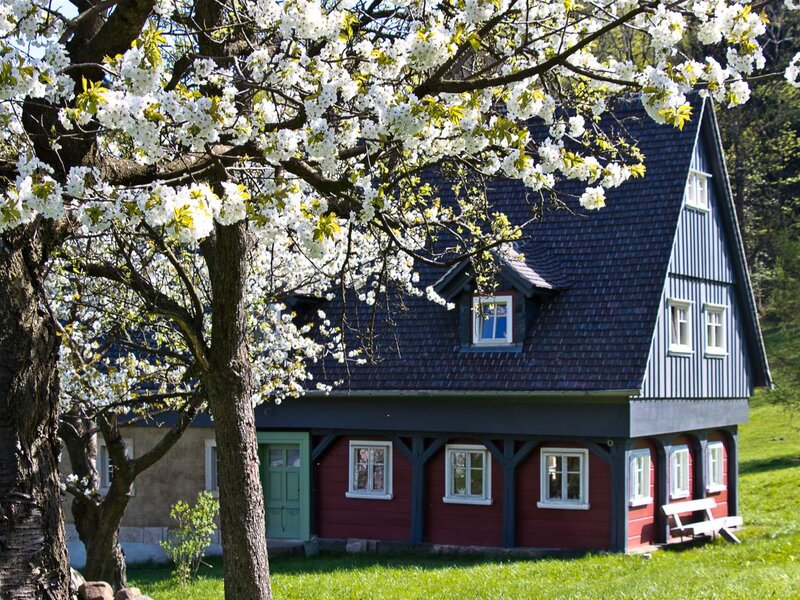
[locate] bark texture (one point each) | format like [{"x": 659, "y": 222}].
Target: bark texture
[
  {"x": 229, "y": 388},
  {"x": 97, "y": 519},
  {"x": 33, "y": 551}
]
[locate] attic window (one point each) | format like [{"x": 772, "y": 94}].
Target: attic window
[
  {"x": 491, "y": 320},
  {"x": 680, "y": 327},
  {"x": 697, "y": 190}
]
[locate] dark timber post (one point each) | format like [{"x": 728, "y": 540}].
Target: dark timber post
[
  {"x": 662, "y": 489},
  {"x": 700, "y": 468},
  {"x": 417, "y": 491},
  {"x": 509, "y": 495},
  {"x": 619, "y": 501},
  {"x": 418, "y": 455},
  {"x": 510, "y": 460},
  {"x": 733, "y": 471}
]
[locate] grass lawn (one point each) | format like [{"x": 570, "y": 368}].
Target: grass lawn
[{"x": 765, "y": 565}]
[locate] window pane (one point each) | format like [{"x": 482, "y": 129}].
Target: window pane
[
  {"x": 675, "y": 328},
  {"x": 459, "y": 459},
  {"x": 500, "y": 331},
  {"x": 293, "y": 457},
  {"x": 554, "y": 477},
  {"x": 276, "y": 458},
  {"x": 574, "y": 486},
  {"x": 476, "y": 460},
  {"x": 487, "y": 329},
  {"x": 476, "y": 482},
  {"x": 361, "y": 477},
  {"x": 574, "y": 464},
  {"x": 378, "y": 455},
  {"x": 459, "y": 485},
  {"x": 362, "y": 455},
  {"x": 377, "y": 478}
]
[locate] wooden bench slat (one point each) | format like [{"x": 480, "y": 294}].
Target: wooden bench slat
[
  {"x": 709, "y": 525},
  {"x": 675, "y": 508}
]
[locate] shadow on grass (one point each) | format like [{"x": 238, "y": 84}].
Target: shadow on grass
[{"x": 769, "y": 464}]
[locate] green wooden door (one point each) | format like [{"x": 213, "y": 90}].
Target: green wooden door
[{"x": 282, "y": 489}]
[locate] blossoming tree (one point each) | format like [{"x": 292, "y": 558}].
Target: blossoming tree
[{"x": 288, "y": 139}]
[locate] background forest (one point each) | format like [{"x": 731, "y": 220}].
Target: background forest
[{"x": 762, "y": 146}]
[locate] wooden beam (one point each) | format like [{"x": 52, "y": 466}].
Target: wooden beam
[
  {"x": 419, "y": 456},
  {"x": 323, "y": 445},
  {"x": 619, "y": 456},
  {"x": 663, "y": 449}
]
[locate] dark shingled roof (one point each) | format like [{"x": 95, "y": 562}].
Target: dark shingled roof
[{"x": 594, "y": 334}]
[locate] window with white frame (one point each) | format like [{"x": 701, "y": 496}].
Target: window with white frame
[
  {"x": 492, "y": 319},
  {"x": 697, "y": 189},
  {"x": 105, "y": 467},
  {"x": 716, "y": 470},
  {"x": 564, "y": 478},
  {"x": 212, "y": 464},
  {"x": 679, "y": 472},
  {"x": 468, "y": 478},
  {"x": 680, "y": 326},
  {"x": 640, "y": 477},
  {"x": 370, "y": 470},
  {"x": 715, "y": 329}
]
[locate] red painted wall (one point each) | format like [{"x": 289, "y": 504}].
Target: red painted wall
[
  {"x": 641, "y": 519},
  {"x": 463, "y": 524},
  {"x": 341, "y": 517},
  {"x": 721, "y": 497},
  {"x": 560, "y": 528}
]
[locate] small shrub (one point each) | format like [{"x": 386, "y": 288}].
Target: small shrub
[{"x": 188, "y": 541}]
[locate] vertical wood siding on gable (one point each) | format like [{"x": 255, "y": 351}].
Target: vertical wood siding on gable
[{"x": 700, "y": 270}]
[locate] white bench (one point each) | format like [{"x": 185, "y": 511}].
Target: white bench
[{"x": 708, "y": 526}]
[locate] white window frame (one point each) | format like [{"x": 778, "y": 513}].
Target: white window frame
[
  {"x": 386, "y": 493},
  {"x": 677, "y": 489},
  {"x": 485, "y": 498},
  {"x": 698, "y": 190},
  {"x": 721, "y": 350},
  {"x": 581, "y": 503},
  {"x": 640, "y": 497},
  {"x": 677, "y": 348},
  {"x": 212, "y": 469},
  {"x": 477, "y": 302},
  {"x": 104, "y": 481},
  {"x": 716, "y": 469}
]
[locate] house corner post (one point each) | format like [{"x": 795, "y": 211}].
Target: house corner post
[
  {"x": 620, "y": 459},
  {"x": 662, "y": 489},
  {"x": 509, "y": 495},
  {"x": 700, "y": 465},
  {"x": 733, "y": 471},
  {"x": 417, "y": 490}
]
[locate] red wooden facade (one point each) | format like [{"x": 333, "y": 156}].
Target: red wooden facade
[{"x": 642, "y": 519}]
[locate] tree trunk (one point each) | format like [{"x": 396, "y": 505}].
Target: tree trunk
[
  {"x": 33, "y": 550},
  {"x": 98, "y": 528},
  {"x": 229, "y": 390},
  {"x": 97, "y": 520}
]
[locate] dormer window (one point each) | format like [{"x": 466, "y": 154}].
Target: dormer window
[
  {"x": 697, "y": 190},
  {"x": 491, "y": 320}
]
